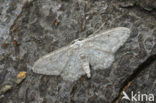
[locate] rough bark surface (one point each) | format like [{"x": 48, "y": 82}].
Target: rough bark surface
[{"x": 29, "y": 30}]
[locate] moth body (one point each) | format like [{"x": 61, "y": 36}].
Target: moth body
[{"x": 85, "y": 64}]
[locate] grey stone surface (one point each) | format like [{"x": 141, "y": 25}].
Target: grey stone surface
[
  {"x": 143, "y": 84},
  {"x": 42, "y": 26}
]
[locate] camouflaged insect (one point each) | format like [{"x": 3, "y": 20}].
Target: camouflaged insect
[{"x": 73, "y": 61}]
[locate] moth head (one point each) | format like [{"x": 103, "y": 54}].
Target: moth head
[
  {"x": 76, "y": 40},
  {"x": 76, "y": 43},
  {"x": 82, "y": 56}
]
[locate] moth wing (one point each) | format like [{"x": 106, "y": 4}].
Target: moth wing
[
  {"x": 53, "y": 63},
  {"x": 73, "y": 69},
  {"x": 109, "y": 40},
  {"x": 64, "y": 62},
  {"x": 101, "y": 47}
]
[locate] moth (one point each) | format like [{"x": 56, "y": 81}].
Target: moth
[{"x": 71, "y": 62}]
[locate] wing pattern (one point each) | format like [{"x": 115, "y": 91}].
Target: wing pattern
[{"x": 98, "y": 49}]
